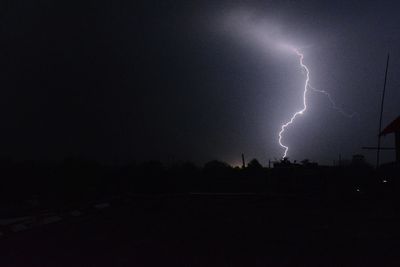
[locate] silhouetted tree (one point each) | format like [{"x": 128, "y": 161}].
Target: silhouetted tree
[
  {"x": 216, "y": 165},
  {"x": 254, "y": 164},
  {"x": 217, "y": 168},
  {"x": 305, "y": 162}
]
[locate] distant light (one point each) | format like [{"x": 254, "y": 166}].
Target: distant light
[
  {"x": 358, "y": 189},
  {"x": 384, "y": 181}
]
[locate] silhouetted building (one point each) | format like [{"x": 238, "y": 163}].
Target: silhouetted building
[{"x": 394, "y": 127}]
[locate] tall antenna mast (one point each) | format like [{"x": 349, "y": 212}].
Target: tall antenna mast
[{"x": 380, "y": 117}]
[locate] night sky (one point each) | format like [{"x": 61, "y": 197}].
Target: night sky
[{"x": 121, "y": 81}]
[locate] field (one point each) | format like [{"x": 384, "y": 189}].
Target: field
[{"x": 202, "y": 229}]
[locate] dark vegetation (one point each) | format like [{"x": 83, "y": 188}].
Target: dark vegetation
[{"x": 35, "y": 185}]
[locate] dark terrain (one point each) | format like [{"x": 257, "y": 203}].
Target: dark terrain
[{"x": 268, "y": 223}]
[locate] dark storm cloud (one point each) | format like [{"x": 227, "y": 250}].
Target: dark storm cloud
[{"x": 124, "y": 80}]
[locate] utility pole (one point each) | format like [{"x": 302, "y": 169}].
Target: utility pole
[
  {"x": 380, "y": 117},
  {"x": 243, "y": 162}
]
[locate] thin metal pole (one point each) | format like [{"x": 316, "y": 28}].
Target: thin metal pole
[{"x": 380, "y": 117}]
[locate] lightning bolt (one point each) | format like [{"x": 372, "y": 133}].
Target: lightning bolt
[
  {"x": 300, "y": 112},
  {"x": 307, "y": 86}
]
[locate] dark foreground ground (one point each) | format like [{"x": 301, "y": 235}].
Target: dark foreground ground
[{"x": 209, "y": 230}]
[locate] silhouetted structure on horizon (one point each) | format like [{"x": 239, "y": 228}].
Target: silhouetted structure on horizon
[{"x": 394, "y": 127}]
